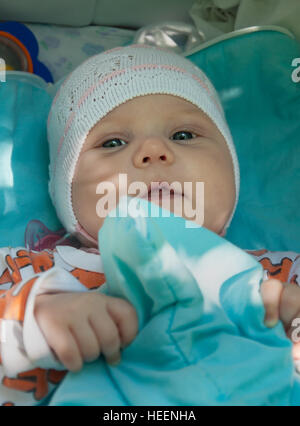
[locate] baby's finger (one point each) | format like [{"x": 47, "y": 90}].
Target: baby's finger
[
  {"x": 86, "y": 340},
  {"x": 271, "y": 291},
  {"x": 125, "y": 317},
  {"x": 65, "y": 348},
  {"x": 289, "y": 305},
  {"x": 296, "y": 351},
  {"x": 108, "y": 337},
  {"x": 293, "y": 333}
]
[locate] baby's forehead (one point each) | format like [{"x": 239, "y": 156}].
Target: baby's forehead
[
  {"x": 166, "y": 106},
  {"x": 158, "y": 99}
]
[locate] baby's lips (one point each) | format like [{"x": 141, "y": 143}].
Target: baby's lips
[{"x": 160, "y": 188}]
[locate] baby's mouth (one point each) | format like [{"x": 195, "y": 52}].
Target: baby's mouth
[
  {"x": 161, "y": 190},
  {"x": 160, "y": 194}
]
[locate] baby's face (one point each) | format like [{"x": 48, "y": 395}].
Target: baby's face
[{"x": 155, "y": 138}]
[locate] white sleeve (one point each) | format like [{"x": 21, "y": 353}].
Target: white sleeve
[
  {"x": 26, "y": 348},
  {"x": 28, "y": 368},
  {"x": 55, "y": 280}
]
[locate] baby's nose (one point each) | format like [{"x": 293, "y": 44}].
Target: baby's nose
[{"x": 153, "y": 151}]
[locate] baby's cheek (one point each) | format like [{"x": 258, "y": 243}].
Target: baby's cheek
[
  {"x": 223, "y": 178},
  {"x": 83, "y": 201},
  {"x": 76, "y": 198}
]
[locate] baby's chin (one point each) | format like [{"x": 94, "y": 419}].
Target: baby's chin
[
  {"x": 223, "y": 233},
  {"x": 175, "y": 208},
  {"x": 85, "y": 242}
]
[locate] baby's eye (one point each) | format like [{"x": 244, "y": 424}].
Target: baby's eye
[
  {"x": 112, "y": 143},
  {"x": 182, "y": 135}
]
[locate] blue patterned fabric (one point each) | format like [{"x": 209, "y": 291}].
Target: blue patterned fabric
[{"x": 201, "y": 338}]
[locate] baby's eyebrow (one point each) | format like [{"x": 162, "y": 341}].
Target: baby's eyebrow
[
  {"x": 199, "y": 114},
  {"x": 190, "y": 117},
  {"x": 114, "y": 125}
]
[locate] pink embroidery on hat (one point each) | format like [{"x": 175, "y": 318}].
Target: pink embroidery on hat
[
  {"x": 56, "y": 97},
  {"x": 146, "y": 46},
  {"x": 63, "y": 84},
  {"x": 114, "y": 49},
  {"x": 70, "y": 119},
  {"x": 103, "y": 80}
]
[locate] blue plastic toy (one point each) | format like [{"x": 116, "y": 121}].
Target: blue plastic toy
[{"x": 19, "y": 50}]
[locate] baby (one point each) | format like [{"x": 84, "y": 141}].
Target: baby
[{"x": 153, "y": 116}]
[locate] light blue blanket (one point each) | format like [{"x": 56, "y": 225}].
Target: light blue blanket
[{"x": 201, "y": 337}]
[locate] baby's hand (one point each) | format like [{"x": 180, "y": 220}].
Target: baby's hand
[
  {"x": 282, "y": 302},
  {"x": 79, "y": 327}
]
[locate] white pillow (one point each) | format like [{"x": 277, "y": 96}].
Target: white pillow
[
  {"x": 138, "y": 13},
  {"x": 127, "y": 13},
  {"x": 63, "y": 12}
]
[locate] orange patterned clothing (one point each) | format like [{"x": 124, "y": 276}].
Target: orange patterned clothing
[
  {"x": 28, "y": 369},
  {"x": 282, "y": 265}
]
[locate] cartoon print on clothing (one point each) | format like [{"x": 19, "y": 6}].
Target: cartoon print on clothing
[{"x": 16, "y": 266}]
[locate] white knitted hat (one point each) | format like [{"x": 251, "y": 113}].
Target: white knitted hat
[{"x": 99, "y": 85}]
